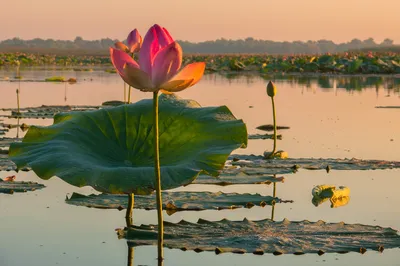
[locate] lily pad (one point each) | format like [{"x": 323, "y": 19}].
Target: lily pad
[
  {"x": 265, "y": 236},
  {"x": 112, "y": 150},
  {"x": 18, "y": 186},
  {"x": 388, "y": 107},
  {"x": 226, "y": 180},
  {"x": 6, "y": 142},
  {"x": 45, "y": 111},
  {"x": 264, "y": 136},
  {"x": 271, "y": 127},
  {"x": 176, "y": 201},
  {"x": 257, "y": 165}
]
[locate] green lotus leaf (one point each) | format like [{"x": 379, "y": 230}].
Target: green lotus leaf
[{"x": 112, "y": 149}]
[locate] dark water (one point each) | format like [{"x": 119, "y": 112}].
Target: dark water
[{"x": 329, "y": 118}]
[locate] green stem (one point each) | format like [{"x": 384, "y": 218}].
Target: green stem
[
  {"x": 124, "y": 92},
  {"x": 274, "y": 115},
  {"x": 158, "y": 179},
  {"x": 18, "y": 101},
  {"x": 131, "y": 254},
  {"x": 273, "y": 202},
  {"x": 129, "y": 94},
  {"x": 129, "y": 210}
]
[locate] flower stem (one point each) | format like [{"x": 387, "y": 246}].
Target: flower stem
[
  {"x": 274, "y": 115},
  {"x": 158, "y": 179},
  {"x": 124, "y": 92},
  {"x": 129, "y": 210},
  {"x": 131, "y": 254},
  {"x": 18, "y": 109},
  {"x": 129, "y": 94},
  {"x": 273, "y": 202}
]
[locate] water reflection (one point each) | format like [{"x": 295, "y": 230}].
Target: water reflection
[
  {"x": 273, "y": 202},
  {"x": 326, "y": 83}
]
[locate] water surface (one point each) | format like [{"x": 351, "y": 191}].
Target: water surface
[{"x": 328, "y": 118}]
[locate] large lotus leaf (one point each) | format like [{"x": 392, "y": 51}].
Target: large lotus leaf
[
  {"x": 266, "y": 236},
  {"x": 112, "y": 149},
  {"x": 177, "y": 201}
]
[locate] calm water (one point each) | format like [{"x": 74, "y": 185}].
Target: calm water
[{"x": 329, "y": 117}]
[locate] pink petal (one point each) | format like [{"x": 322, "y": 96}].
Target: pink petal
[
  {"x": 121, "y": 46},
  {"x": 119, "y": 59},
  {"x": 164, "y": 38},
  {"x": 150, "y": 47},
  {"x": 137, "y": 78},
  {"x": 166, "y": 63},
  {"x": 134, "y": 41},
  {"x": 191, "y": 74},
  {"x": 175, "y": 86},
  {"x": 168, "y": 35}
]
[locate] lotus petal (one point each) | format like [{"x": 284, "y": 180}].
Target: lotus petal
[
  {"x": 191, "y": 73},
  {"x": 134, "y": 41},
  {"x": 137, "y": 78},
  {"x": 119, "y": 59},
  {"x": 121, "y": 46},
  {"x": 166, "y": 63}
]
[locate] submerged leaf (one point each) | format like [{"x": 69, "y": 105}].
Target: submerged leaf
[
  {"x": 112, "y": 149},
  {"x": 266, "y": 236}
]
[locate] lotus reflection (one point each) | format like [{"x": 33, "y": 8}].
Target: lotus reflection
[{"x": 337, "y": 196}]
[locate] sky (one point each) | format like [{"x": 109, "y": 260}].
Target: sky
[{"x": 278, "y": 20}]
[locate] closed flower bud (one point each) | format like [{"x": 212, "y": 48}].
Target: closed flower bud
[{"x": 271, "y": 89}]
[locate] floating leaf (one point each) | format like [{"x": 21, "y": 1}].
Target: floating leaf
[
  {"x": 18, "y": 186},
  {"x": 225, "y": 180},
  {"x": 176, "y": 201},
  {"x": 45, "y": 111},
  {"x": 265, "y": 236},
  {"x": 112, "y": 149},
  {"x": 264, "y": 136},
  {"x": 252, "y": 164},
  {"x": 271, "y": 127}
]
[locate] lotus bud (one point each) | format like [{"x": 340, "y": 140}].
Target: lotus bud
[
  {"x": 271, "y": 89},
  {"x": 134, "y": 41}
]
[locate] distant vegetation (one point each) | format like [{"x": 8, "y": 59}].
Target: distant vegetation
[
  {"x": 79, "y": 46},
  {"x": 339, "y": 63}
]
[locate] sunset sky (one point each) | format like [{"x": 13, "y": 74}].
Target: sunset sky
[{"x": 283, "y": 20}]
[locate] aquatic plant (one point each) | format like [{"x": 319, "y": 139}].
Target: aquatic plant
[
  {"x": 271, "y": 92},
  {"x": 160, "y": 59},
  {"x": 117, "y": 149},
  {"x": 55, "y": 79}
]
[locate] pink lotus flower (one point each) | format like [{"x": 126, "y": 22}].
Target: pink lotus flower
[
  {"x": 134, "y": 41},
  {"x": 160, "y": 59}
]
